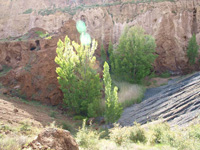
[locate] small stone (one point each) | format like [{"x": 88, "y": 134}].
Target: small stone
[
  {"x": 15, "y": 110},
  {"x": 9, "y": 121},
  {"x": 7, "y": 132}
]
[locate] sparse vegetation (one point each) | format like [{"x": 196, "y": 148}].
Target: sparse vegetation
[
  {"x": 150, "y": 136},
  {"x": 72, "y": 10},
  {"x": 43, "y": 35},
  {"x": 165, "y": 74},
  {"x": 68, "y": 126},
  {"x": 53, "y": 114},
  {"x": 87, "y": 138},
  {"x": 28, "y": 11},
  {"x": 15, "y": 137},
  {"x": 25, "y": 128},
  {"x": 6, "y": 69}
]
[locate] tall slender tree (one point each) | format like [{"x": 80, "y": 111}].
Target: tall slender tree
[{"x": 113, "y": 107}]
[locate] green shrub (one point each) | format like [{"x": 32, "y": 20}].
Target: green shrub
[
  {"x": 87, "y": 138},
  {"x": 79, "y": 81},
  {"x": 113, "y": 107},
  {"x": 192, "y": 50},
  {"x": 43, "y": 35},
  {"x": 77, "y": 117},
  {"x": 134, "y": 56},
  {"x": 119, "y": 134},
  {"x": 150, "y": 136},
  {"x": 137, "y": 134},
  {"x": 165, "y": 74},
  {"x": 156, "y": 132}
]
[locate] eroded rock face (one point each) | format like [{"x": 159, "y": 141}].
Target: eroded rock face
[
  {"x": 33, "y": 72},
  {"x": 171, "y": 23},
  {"x": 52, "y": 138}
]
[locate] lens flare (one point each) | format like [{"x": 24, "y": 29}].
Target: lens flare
[
  {"x": 85, "y": 38},
  {"x": 80, "y": 26}
]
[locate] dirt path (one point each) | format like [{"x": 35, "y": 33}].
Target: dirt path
[{"x": 178, "y": 103}]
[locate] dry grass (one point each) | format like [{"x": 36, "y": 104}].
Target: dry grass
[
  {"x": 14, "y": 137},
  {"x": 13, "y": 142},
  {"x": 129, "y": 93}
]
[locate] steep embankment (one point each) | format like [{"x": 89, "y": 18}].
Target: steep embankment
[
  {"x": 172, "y": 23},
  {"x": 178, "y": 103}
]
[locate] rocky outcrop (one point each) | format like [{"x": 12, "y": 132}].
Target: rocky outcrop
[
  {"x": 177, "y": 103},
  {"x": 172, "y": 23},
  {"x": 33, "y": 73},
  {"x": 52, "y": 138}
]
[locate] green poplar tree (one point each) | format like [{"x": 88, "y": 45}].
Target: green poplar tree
[
  {"x": 113, "y": 107},
  {"x": 79, "y": 82}
]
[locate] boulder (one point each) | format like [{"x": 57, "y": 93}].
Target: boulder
[{"x": 52, "y": 138}]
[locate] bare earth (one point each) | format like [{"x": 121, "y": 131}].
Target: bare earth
[{"x": 13, "y": 111}]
